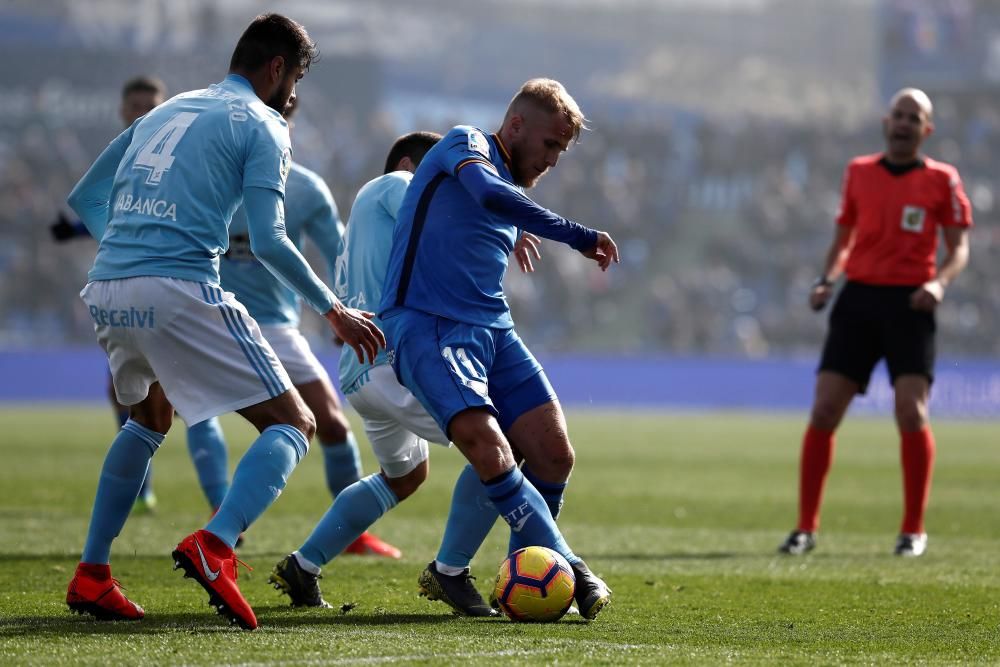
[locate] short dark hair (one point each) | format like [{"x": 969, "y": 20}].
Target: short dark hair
[
  {"x": 270, "y": 36},
  {"x": 413, "y": 145},
  {"x": 144, "y": 84}
]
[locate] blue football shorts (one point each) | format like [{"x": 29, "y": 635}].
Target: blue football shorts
[{"x": 453, "y": 366}]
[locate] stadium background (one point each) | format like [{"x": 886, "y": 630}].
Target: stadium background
[{"x": 720, "y": 129}]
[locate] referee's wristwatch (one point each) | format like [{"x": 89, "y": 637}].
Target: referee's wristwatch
[{"x": 822, "y": 281}]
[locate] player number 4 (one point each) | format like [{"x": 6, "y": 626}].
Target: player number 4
[{"x": 156, "y": 154}]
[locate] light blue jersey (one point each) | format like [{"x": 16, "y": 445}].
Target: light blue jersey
[
  {"x": 162, "y": 195},
  {"x": 309, "y": 211},
  {"x": 363, "y": 261}
]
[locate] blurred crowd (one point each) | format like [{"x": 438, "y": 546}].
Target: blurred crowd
[{"x": 722, "y": 224}]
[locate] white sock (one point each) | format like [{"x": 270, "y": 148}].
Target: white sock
[{"x": 449, "y": 570}]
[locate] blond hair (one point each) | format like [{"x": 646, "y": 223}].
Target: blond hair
[{"x": 551, "y": 96}]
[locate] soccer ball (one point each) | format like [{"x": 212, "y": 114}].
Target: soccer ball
[{"x": 534, "y": 584}]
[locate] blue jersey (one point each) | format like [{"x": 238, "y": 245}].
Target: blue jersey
[
  {"x": 162, "y": 195},
  {"x": 362, "y": 263},
  {"x": 309, "y": 211},
  {"x": 457, "y": 226}
]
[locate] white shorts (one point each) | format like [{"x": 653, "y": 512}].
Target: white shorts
[
  {"x": 197, "y": 341},
  {"x": 294, "y": 353},
  {"x": 397, "y": 425}
]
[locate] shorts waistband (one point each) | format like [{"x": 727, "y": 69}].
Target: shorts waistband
[{"x": 359, "y": 382}]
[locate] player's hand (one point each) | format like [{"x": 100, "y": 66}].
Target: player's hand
[
  {"x": 927, "y": 296},
  {"x": 604, "y": 251},
  {"x": 356, "y": 329},
  {"x": 62, "y": 229},
  {"x": 526, "y": 246},
  {"x": 819, "y": 295}
]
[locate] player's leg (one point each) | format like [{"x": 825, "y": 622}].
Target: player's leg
[
  {"x": 92, "y": 589},
  {"x": 207, "y": 447},
  {"x": 341, "y": 458},
  {"x": 531, "y": 416},
  {"x": 910, "y": 360},
  {"x": 146, "y": 500},
  {"x": 917, "y": 456},
  {"x": 397, "y": 427},
  {"x": 850, "y": 352},
  {"x": 833, "y": 395}
]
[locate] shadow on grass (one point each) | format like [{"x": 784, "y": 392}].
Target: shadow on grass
[
  {"x": 711, "y": 555},
  {"x": 197, "y": 623}
]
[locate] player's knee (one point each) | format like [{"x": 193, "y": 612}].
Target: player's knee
[
  {"x": 826, "y": 415},
  {"x": 911, "y": 415},
  {"x": 331, "y": 426},
  {"x": 405, "y": 486}
]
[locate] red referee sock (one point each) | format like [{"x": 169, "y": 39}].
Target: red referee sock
[
  {"x": 917, "y": 455},
  {"x": 817, "y": 455}
]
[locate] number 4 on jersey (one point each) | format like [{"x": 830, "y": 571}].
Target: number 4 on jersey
[{"x": 157, "y": 153}]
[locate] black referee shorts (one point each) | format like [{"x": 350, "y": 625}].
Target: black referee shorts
[{"x": 869, "y": 322}]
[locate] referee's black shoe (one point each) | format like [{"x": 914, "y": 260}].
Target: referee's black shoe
[{"x": 797, "y": 543}]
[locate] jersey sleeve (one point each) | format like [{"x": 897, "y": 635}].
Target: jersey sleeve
[
  {"x": 91, "y": 197},
  {"x": 463, "y": 146},
  {"x": 847, "y": 216},
  {"x": 502, "y": 199},
  {"x": 324, "y": 227},
  {"x": 392, "y": 197},
  {"x": 959, "y": 210},
  {"x": 270, "y": 244},
  {"x": 268, "y": 155}
]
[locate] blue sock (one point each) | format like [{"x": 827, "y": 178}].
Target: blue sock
[
  {"x": 259, "y": 479},
  {"x": 122, "y": 415},
  {"x": 124, "y": 469},
  {"x": 523, "y": 508},
  {"x": 207, "y": 447},
  {"x": 342, "y": 462},
  {"x": 552, "y": 492},
  {"x": 146, "y": 489},
  {"x": 355, "y": 509},
  {"x": 553, "y": 495},
  {"x": 470, "y": 519}
]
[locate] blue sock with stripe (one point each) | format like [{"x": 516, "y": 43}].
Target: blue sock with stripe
[
  {"x": 354, "y": 510},
  {"x": 552, "y": 491},
  {"x": 470, "y": 519},
  {"x": 523, "y": 508},
  {"x": 553, "y": 495},
  {"x": 258, "y": 481},
  {"x": 207, "y": 446},
  {"x": 121, "y": 476},
  {"x": 342, "y": 463}
]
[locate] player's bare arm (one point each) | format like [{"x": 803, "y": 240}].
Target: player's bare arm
[
  {"x": 833, "y": 266},
  {"x": 930, "y": 294}
]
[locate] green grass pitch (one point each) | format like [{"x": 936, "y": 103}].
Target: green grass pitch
[{"x": 680, "y": 513}]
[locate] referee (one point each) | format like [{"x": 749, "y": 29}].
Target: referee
[{"x": 893, "y": 206}]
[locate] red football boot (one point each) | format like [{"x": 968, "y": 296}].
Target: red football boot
[
  {"x": 369, "y": 545},
  {"x": 93, "y": 591},
  {"x": 211, "y": 562}
]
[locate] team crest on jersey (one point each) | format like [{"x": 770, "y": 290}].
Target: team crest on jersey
[
  {"x": 478, "y": 144},
  {"x": 913, "y": 219},
  {"x": 286, "y": 164}
]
